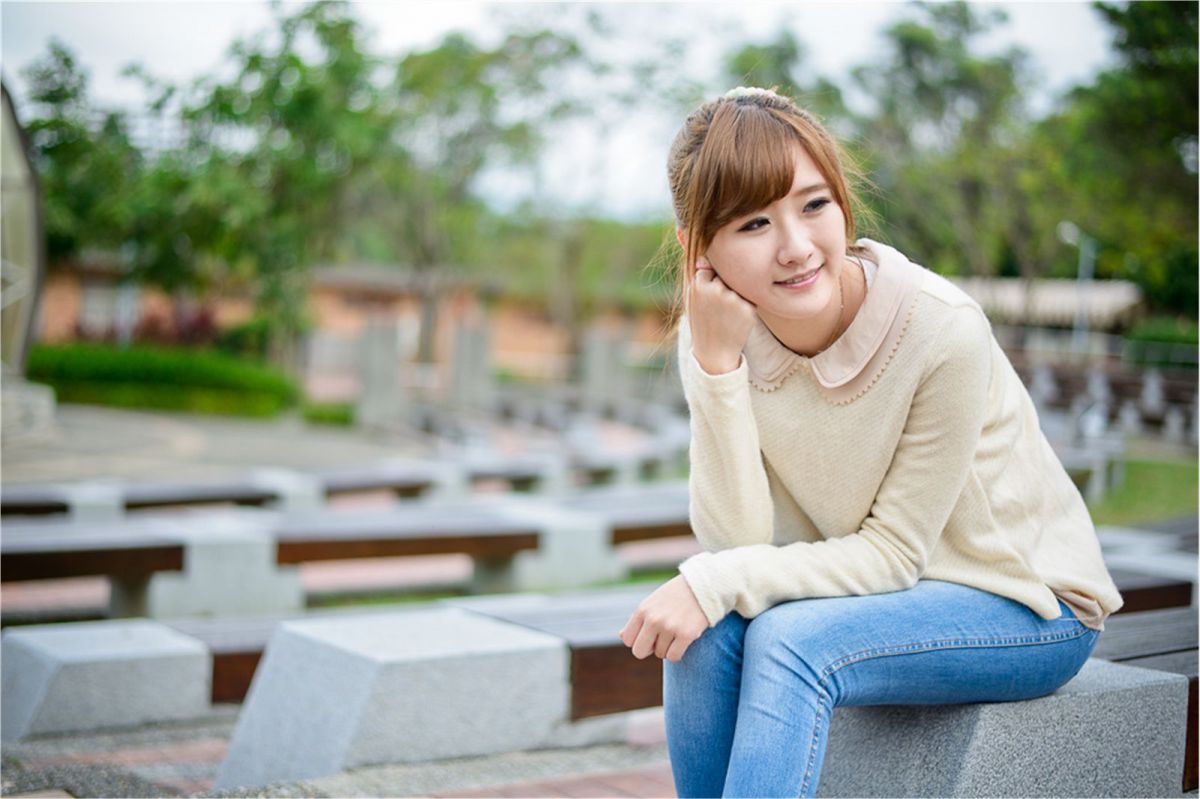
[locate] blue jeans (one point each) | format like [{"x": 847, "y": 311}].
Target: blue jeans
[{"x": 748, "y": 706}]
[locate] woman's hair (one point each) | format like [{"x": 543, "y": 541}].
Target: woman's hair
[{"x": 735, "y": 155}]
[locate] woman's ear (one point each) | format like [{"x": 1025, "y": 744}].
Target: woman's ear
[{"x": 679, "y": 234}]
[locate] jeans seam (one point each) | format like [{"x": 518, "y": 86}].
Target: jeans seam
[
  {"x": 950, "y": 643},
  {"x": 825, "y": 700}
]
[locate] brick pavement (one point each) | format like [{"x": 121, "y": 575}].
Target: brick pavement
[{"x": 654, "y": 781}]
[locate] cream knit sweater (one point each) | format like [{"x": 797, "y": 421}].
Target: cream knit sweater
[{"x": 909, "y": 449}]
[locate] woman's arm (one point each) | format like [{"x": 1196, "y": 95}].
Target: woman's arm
[
  {"x": 928, "y": 473},
  {"x": 730, "y": 502}
]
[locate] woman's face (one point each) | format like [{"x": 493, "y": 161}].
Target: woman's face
[{"x": 787, "y": 258}]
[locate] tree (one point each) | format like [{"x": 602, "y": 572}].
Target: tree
[
  {"x": 276, "y": 151},
  {"x": 944, "y": 116},
  {"x": 778, "y": 63},
  {"x": 86, "y": 163},
  {"x": 1128, "y": 148},
  {"x": 455, "y": 110}
]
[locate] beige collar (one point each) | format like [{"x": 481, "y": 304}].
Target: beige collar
[{"x": 870, "y": 339}]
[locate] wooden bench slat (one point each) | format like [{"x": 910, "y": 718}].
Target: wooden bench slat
[
  {"x": 120, "y": 563},
  {"x": 401, "y": 479},
  {"x": 340, "y": 535},
  {"x": 1148, "y": 592},
  {"x": 157, "y": 495},
  {"x": 1183, "y": 662},
  {"x": 499, "y": 546},
  {"x": 52, "y": 549},
  {"x": 1135, "y": 635}
]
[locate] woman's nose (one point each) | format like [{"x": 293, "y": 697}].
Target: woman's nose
[{"x": 795, "y": 245}]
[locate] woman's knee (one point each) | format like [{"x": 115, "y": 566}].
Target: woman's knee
[
  {"x": 723, "y": 641},
  {"x": 793, "y": 637}
]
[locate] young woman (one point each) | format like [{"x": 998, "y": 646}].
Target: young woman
[{"x": 882, "y": 518}]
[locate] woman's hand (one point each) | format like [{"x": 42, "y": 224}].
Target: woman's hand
[
  {"x": 666, "y": 622},
  {"x": 720, "y": 318}
]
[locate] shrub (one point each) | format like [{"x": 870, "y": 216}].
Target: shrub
[
  {"x": 331, "y": 413},
  {"x": 155, "y": 377},
  {"x": 250, "y": 339}
]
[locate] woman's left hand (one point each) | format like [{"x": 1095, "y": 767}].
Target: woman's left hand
[{"x": 666, "y": 622}]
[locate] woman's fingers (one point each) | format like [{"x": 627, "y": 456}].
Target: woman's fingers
[
  {"x": 629, "y": 632},
  {"x": 645, "y": 643},
  {"x": 677, "y": 648}
]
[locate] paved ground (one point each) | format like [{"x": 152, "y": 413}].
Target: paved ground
[
  {"x": 182, "y": 760},
  {"x": 91, "y": 441}
]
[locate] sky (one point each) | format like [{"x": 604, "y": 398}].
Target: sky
[{"x": 178, "y": 41}]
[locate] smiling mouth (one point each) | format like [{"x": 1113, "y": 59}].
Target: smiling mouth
[{"x": 799, "y": 278}]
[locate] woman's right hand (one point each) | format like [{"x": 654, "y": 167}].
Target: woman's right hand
[{"x": 720, "y": 319}]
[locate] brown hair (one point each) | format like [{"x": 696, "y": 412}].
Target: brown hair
[{"x": 734, "y": 155}]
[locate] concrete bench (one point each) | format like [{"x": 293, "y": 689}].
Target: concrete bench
[
  {"x": 97, "y": 675},
  {"x": 638, "y": 513},
  {"x": 607, "y": 681},
  {"x": 109, "y": 499},
  {"x": 159, "y": 565},
  {"x": 244, "y": 561},
  {"x": 129, "y": 553},
  {"x": 490, "y": 536},
  {"x": 408, "y": 685},
  {"x": 1061, "y": 745},
  {"x": 272, "y": 487},
  {"x": 1163, "y": 640}
]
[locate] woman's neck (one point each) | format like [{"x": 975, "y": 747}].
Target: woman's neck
[{"x": 813, "y": 336}]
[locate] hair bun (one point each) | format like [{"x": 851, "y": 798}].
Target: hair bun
[{"x": 752, "y": 91}]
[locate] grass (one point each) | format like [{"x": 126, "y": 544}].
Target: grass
[{"x": 1151, "y": 491}]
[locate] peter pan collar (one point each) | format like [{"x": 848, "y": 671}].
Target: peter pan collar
[{"x": 869, "y": 341}]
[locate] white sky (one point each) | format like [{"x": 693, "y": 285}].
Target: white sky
[{"x": 178, "y": 41}]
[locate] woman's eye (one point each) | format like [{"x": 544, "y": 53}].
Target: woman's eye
[
  {"x": 817, "y": 204},
  {"x": 754, "y": 224}
]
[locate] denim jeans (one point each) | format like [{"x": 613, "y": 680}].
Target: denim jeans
[{"x": 748, "y": 706}]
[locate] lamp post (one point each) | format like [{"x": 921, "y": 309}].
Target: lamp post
[{"x": 1069, "y": 233}]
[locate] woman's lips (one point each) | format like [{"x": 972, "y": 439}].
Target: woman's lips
[{"x": 812, "y": 278}]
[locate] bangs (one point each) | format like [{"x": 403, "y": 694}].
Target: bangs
[{"x": 748, "y": 162}]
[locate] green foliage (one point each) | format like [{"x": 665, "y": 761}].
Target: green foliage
[
  {"x": 1126, "y": 146},
  {"x": 1168, "y": 329},
  {"x": 88, "y": 171},
  {"x": 310, "y": 149},
  {"x": 937, "y": 141},
  {"x": 340, "y": 414},
  {"x": 160, "y": 378},
  {"x": 1151, "y": 491},
  {"x": 250, "y": 339}
]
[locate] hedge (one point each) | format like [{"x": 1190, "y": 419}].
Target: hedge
[{"x": 158, "y": 377}]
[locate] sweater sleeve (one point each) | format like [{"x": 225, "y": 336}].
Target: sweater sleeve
[
  {"x": 729, "y": 498},
  {"x": 919, "y": 491}
]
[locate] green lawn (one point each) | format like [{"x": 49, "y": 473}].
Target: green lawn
[{"x": 1151, "y": 491}]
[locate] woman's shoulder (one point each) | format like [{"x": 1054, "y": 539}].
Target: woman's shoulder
[{"x": 943, "y": 309}]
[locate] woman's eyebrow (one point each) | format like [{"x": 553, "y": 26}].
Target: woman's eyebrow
[{"x": 811, "y": 189}]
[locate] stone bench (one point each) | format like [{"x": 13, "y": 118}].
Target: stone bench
[
  {"x": 605, "y": 679},
  {"x": 237, "y": 645},
  {"x": 279, "y": 488},
  {"x": 538, "y": 671},
  {"x": 336, "y": 691},
  {"x": 98, "y": 675},
  {"x": 129, "y": 554},
  {"x": 245, "y": 561}
]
